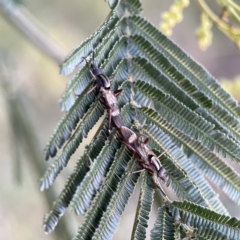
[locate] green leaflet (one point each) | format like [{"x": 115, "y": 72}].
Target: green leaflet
[
  {"x": 185, "y": 64},
  {"x": 186, "y": 180},
  {"x": 101, "y": 201},
  {"x": 164, "y": 227},
  {"x": 75, "y": 57},
  {"x": 186, "y": 120},
  {"x": 94, "y": 178},
  {"x": 111, "y": 216},
  {"x": 209, "y": 234},
  {"x": 143, "y": 209},
  {"x": 68, "y": 123},
  {"x": 76, "y": 177},
  {"x": 193, "y": 215},
  {"x": 140, "y": 47},
  {"x": 89, "y": 120},
  {"x": 144, "y": 70},
  {"x": 216, "y": 169},
  {"x": 59, "y": 207}
]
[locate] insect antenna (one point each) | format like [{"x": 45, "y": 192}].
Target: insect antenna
[
  {"x": 171, "y": 147},
  {"x": 86, "y": 62},
  {"x": 91, "y": 90},
  {"x": 126, "y": 175}
]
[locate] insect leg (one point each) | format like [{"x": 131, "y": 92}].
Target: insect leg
[
  {"x": 126, "y": 175},
  {"x": 129, "y": 146},
  {"x": 109, "y": 119},
  {"x": 157, "y": 184},
  {"x": 91, "y": 90},
  {"x": 162, "y": 153},
  {"x": 143, "y": 135},
  {"x": 117, "y": 92},
  {"x": 89, "y": 69},
  {"x": 87, "y": 63}
]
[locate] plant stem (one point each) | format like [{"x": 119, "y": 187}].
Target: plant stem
[
  {"x": 228, "y": 30},
  {"x": 21, "y": 19}
]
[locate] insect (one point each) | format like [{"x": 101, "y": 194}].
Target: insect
[
  {"x": 100, "y": 79},
  {"x": 147, "y": 159},
  {"x": 145, "y": 156},
  {"x": 105, "y": 93}
]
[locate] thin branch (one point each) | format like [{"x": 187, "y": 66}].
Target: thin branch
[
  {"x": 225, "y": 27},
  {"x": 21, "y": 19}
]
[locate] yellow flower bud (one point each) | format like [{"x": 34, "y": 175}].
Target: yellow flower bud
[{"x": 165, "y": 16}]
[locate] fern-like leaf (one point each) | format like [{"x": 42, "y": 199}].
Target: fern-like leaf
[
  {"x": 76, "y": 177},
  {"x": 76, "y": 56},
  {"x": 197, "y": 216},
  {"x": 68, "y": 123},
  {"x": 93, "y": 180},
  {"x": 143, "y": 209},
  {"x": 90, "y": 119},
  {"x": 101, "y": 201},
  {"x": 182, "y": 61},
  {"x": 186, "y": 120},
  {"x": 164, "y": 227},
  {"x": 216, "y": 169},
  {"x": 183, "y": 111},
  {"x": 111, "y": 216},
  {"x": 141, "y": 47},
  {"x": 209, "y": 234},
  {"x": 186, "y": 180}
]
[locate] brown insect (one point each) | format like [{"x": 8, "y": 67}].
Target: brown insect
[
  {"x": 145, "y": 156},
  {"x": 147, "y": 159},
  {"x": 105, "y": 93}
]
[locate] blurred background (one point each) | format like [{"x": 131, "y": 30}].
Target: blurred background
[{"x": 30, "y": 86}]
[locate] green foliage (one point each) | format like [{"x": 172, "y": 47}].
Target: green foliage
[
  {"x": 164, "y": 226},
  {"x": 143, "y": 209},
  {"x": 191, "y": 214},
  {"x": 174, "y": 101},
  {"x": 185, "y": 219}
]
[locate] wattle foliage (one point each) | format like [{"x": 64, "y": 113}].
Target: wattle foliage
[{"x": 178, "y": 105}]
